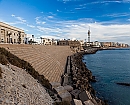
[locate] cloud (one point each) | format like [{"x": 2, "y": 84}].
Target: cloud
[
  {"x": 19, "y": 18},
  {"x": 14, "y": 23},
  {"x": 128, "y": 19},
  {"x": 78, "y": 29},
  {"x": 126, "y": 1},
  {"x": 59, "y": 10},
  {"x": 50, "y": 17},
  {"x": 43, "y": 22},
  {"x": 13, "y": 15},
  {"x": 31, "y": 26},
  {"x": 37, "y": 20},
  {"x": 68, "y": 29},
  {"x": 48, "y": 30},
  {"x": 106, "y": 2},
  {"x": 117, "y": 15}
]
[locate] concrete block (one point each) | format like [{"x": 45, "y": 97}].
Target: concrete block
[
  {"x": 63, "y": 93},
  {"x": 75, "y": 93},
  {"x": 85, "y": 96},
  {"x": 55, "y": 84},
  {"x": 77, "y": 102},
  {"x": 89, "y": 102},
  {"x": 68, "y": 88},
  {"x": 60, "y": 89},
  {"x": 66, "y": 96}
]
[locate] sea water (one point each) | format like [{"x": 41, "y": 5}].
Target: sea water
[{"x": 110, "y": 67}]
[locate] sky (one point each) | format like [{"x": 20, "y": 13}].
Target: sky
[{"x": 108, "y": 20}]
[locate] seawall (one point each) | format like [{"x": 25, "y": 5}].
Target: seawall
[{"x": 79, "y": 77}]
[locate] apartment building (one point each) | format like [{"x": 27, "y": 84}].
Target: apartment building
[{"x": 10, "y": 34}]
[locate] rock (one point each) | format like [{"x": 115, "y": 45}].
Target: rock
[
  {"x": 66, "y": 96},
  {"x": 89, "y": 102},
  {"x": 85, "y": 96},
  {"x": 55, "y": 84},
  {"x": 60, "y": 89},
  {"x": 77, "y": 102},
  {"x": 63, "y": 93},
  {"x": 75, "y": 93},
  {"x": 68, "y": 88}
]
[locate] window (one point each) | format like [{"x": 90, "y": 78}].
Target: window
[{"x": 2, "y": 40}]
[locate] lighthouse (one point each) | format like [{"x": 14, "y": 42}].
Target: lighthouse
[{"x": 89, "y": 36}]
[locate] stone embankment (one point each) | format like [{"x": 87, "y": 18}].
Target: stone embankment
[
  {"x": 17, "y": 87},
  {"x": 77, "y": 78}
]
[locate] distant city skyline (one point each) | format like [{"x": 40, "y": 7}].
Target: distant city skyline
[{"x": 68, "y": 19}]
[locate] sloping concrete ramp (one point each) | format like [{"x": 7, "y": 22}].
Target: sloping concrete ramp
[{"x": 49, "y": 61}]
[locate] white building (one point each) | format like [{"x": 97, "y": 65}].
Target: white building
[{"x": 96, "y": 44}]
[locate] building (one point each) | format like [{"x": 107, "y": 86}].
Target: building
[
  {"x": 10, "y": 34},
  {"x": 96, "y": 44},
  {"x": 106, "y": 44},
  {"x": 47, "y": 41},
  {"x": 63, "y": 42},
  {"x": 76, "y": 45}
]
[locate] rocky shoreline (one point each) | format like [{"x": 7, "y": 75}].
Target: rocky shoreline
[{"x": 79, "y": 77}]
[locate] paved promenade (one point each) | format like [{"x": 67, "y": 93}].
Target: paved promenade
[{"x": 47, "y": 60}]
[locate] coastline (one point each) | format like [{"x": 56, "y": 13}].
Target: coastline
[{"x": 79, "y": 77}]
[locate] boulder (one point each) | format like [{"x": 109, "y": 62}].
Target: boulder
[
  {"x": 75, "y": 93},
  {"x": 55, "y": 84},
  {"x": 85, "y": 96},
  {"x": 66, "y": 96},
  {"x": 63, "y": 93},
  {"x": 68, "y": 88},
  {"x": 77, "y": 102},
  {"x": 60, "y": 89},
  {"x": 89, "y": 102}
]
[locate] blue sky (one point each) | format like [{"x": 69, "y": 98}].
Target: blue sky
[{"x": 109, "y": 20}]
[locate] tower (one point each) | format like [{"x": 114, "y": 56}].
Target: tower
[{"x": 89, "y": 36}]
